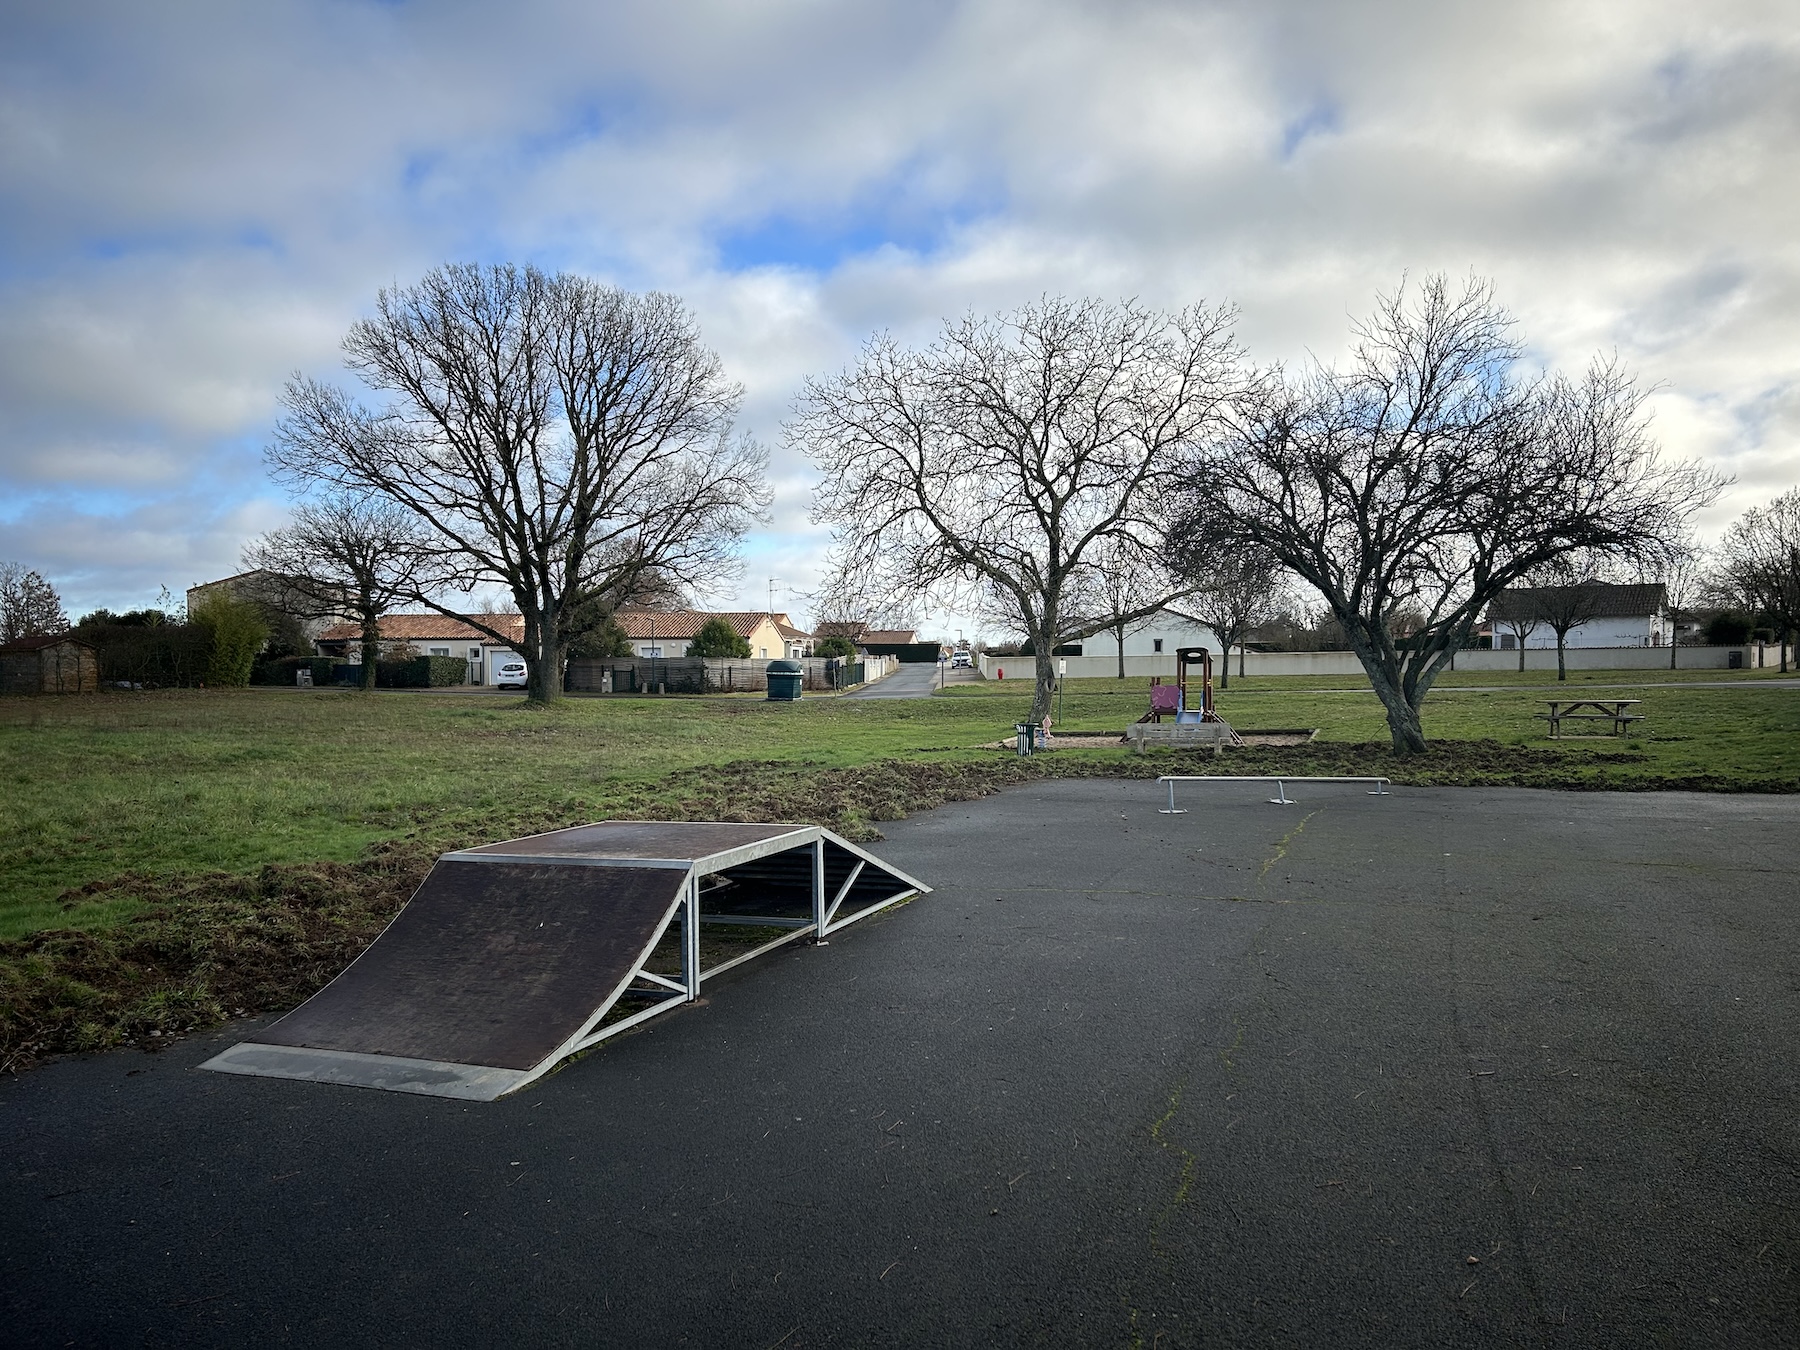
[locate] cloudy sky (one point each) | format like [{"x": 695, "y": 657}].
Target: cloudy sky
[{"x": 198, "y": 199}]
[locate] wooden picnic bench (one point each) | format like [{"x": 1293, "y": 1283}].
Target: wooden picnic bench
[{"x": 1615, "y": 711}]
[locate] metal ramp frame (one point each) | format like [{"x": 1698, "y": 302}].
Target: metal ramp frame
[{"x": 513, "y": 956}]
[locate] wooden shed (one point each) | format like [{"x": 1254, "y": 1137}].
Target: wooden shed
[{"x": 54, "y": 663}]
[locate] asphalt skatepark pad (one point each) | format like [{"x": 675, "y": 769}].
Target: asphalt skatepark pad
[{"x": 512, "y": 956}]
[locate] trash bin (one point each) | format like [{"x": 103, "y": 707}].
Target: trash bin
[
  {"x": 1030, "y": 734},
  {"x": 785, "y": 679}
]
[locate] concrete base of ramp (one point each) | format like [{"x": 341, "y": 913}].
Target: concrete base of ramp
[{"x": 513, "y": 956}]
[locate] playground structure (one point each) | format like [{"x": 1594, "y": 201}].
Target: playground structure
[
  {"x": 512, "y": 956},
  {"x": 1193, "y": 725}
]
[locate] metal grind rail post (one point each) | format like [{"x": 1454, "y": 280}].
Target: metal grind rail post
[{"x": 1280, "y": 780}]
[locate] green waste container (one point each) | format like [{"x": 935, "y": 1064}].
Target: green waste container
[{"x": 785, "y": 679}]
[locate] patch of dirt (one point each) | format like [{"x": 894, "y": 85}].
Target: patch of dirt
[{"x": 219, "y": 945}]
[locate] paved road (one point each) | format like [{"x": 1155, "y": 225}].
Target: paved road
[
  {"x": 909, "y": 681},
  {"x": 1251, "y": 1075}
]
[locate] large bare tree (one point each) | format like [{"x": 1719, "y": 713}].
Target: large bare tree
[
  {"x": 984, "y": 470},
  {"x": 557, "y": 436},
  {"x": 349, "y": 556},
  {"x": 1759, "y": 563},
  {"x": 1431, "y": 473}
]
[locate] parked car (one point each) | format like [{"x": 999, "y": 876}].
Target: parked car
[
  {"x": 961, "y": 661},
  {"x": 509, "y": 675}
]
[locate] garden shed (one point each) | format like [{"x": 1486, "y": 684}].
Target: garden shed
[{"x": 53, "y": 663}]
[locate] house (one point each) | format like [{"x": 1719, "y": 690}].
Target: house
[
  {"x": 1160, "y": 634},
  {"x": 273, "y": 591},
  {"x": 52, "y": 663},
  {"x": 667, "y": 632},
  {"x": 1630, "y": 615},
  {"x": 431, "y": 635},
  {"x": 863, "y": 635}
]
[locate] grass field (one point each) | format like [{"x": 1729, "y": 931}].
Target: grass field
[
  {"x": 188, "y": 781},
  {"x": 169, "y": 859}
]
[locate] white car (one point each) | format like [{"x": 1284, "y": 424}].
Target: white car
[
  {"x": 509, "y": 675},
  {"x": 961, "y": 661}
]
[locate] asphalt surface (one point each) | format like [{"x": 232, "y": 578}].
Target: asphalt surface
[
  {"x": 1448, "y": 1067},
  {"x": 916, "y": 680}
]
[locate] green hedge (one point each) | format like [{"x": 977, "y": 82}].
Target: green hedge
[{"x": 422, "y": 672}]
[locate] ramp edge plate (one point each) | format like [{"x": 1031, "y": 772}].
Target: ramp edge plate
[{"x": 470, "y": 1082}]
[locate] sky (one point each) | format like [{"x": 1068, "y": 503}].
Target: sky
[{"x": 198, "y": 199}]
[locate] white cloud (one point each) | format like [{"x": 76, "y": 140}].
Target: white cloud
[{"x": 196, "y": 201}]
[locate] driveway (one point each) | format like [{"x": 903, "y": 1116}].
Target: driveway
[
  {"x": 1447, "y": 1067},
  {"x": 909, "y": 681}
]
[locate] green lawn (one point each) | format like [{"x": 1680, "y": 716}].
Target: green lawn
[
  {"x": 181, "y": 782},
  {"x": 171, "y": 860}
]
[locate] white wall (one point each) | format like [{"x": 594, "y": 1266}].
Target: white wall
[
  {"x": 1617, "y": 658},
  {"x": 1641, "y": 630},
  {"x": 1255, "y": 663}
]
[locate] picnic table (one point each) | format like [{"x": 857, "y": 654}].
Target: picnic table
[{"x": 1616, "y": 711}]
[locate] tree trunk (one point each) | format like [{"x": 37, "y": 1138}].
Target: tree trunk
[
  {"x": 1046, "y": 680},
  {"x": 1673, "y": 616},
  {"x": 371, "y": 648},
  {"x": 1562, "y": 670},
  {"x": 1403, "y": 719},
  {"x": 543, "y": 661},
  {"x": 1120, "y": 631},
  {"x": 1243, "y": 651},
  {"x": 1521, "y": 653}
]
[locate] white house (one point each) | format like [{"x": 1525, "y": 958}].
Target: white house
[
  {"x": 1150, "y": 647},
  {"x": 1631, "y": 615}
]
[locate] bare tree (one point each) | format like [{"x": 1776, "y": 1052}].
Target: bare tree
[
  {"x": 985, "y": 470},
  {"x": 1431, "y": 474},
  {"x": 1682, "y": 569},
  {"x": 1565, "y": 594},
  {"x": 352, "y": 557},
  {"x": 1759, "y": 560},
  {"x": 1118, "y": 583},
  {"x": 1233, "y": 594},
  {"x": 1512, "y": 610},
  {"x": 559, "y": 437},
  {"x": 29, "y": 605}
]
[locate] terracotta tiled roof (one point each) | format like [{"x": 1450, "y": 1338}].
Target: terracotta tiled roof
[
  {"x": 788, "y": 631},
  {"x": 900, "y": 636},
  {"x": 1609, "y": 602},
  {"x": 643, "y": 624},
  {"x": 430, "y": 628}
]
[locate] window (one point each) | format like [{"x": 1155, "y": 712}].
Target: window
[
  {"x": 763, "y": 653},
  {"x": 1506, "y": 642},
  {"x": 1156, "y": 644},
  {"x": 653, "y": 651},
  {"x": 440, "y": 651},
  {"x": 474, "y": 653}
]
